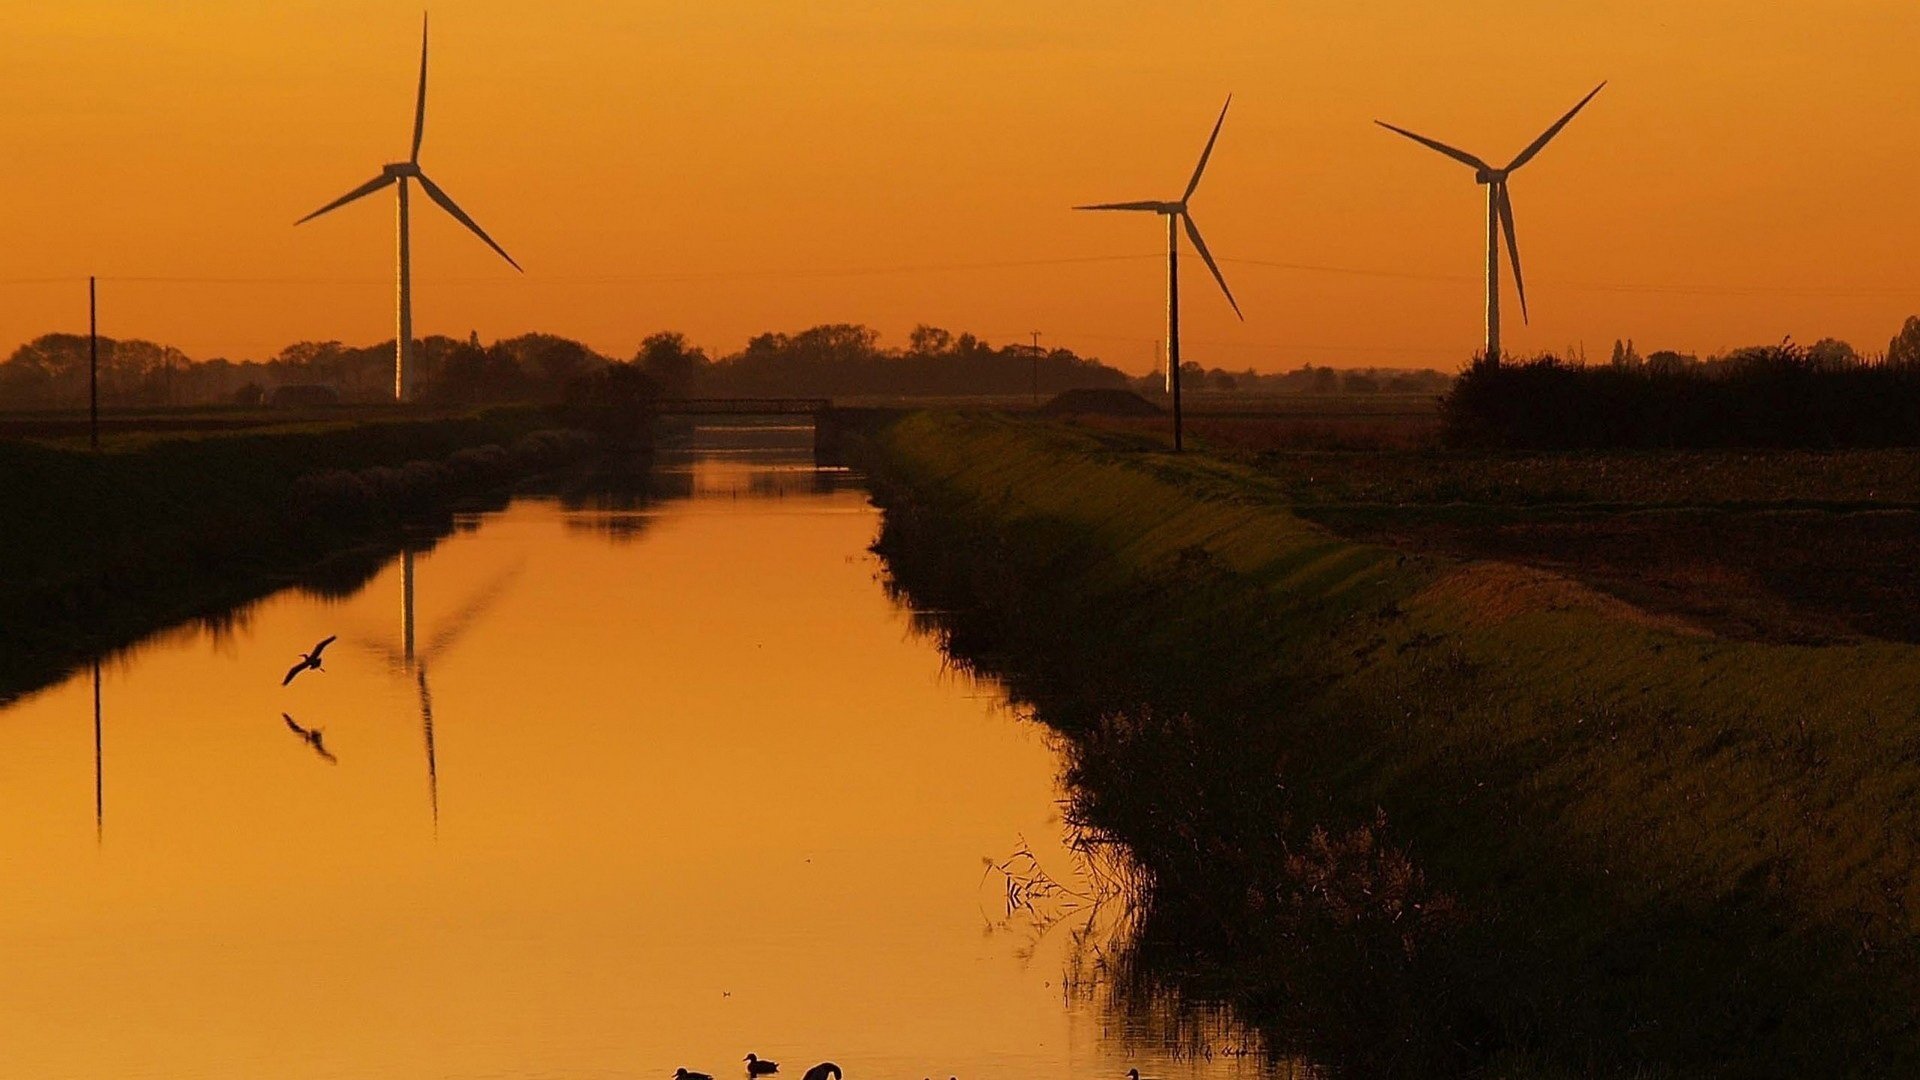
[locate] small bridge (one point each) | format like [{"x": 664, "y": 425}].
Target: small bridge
[
  {"x": 831, "y": 425},
  {"x": 770, "y": 406}
]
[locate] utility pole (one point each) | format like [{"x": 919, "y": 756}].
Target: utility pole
[
  {"x": 93, "y": 364},
  {"x": 1036, "y": 366}
]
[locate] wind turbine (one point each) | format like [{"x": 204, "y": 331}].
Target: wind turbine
[
  {"x": 399, "y": 173},
  {"x": 1177, "y": 215},
  {"x": 1499, "y": 212}
]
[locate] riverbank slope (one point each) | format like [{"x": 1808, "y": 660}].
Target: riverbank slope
[{"x": 1467, "y": 811}]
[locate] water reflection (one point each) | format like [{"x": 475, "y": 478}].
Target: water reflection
[
  {"x": 99, "y": 771},
  {"x": 706, "y": 794},
  {"x": 433, "y": 759}
]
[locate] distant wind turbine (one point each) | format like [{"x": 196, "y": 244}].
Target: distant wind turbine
[
  {"x": 1177, "y": 216},
  {"x": 1499, "y": 212},
  {"x": 399, "y": 173}
]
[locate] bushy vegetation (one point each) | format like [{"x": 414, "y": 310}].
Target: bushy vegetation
[
  {"x": 1305, "y": 379},
  {"x": 1773, "y": 396},
  {"x": 330, "y": 496}
]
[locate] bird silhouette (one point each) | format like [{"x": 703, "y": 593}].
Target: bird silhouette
[
  {"x": 683, "y": 1073},
  {"x": 309, "y": 660},
  {"x": 312, "y": 737},
  {"x": 757, "y": 1067},
  {"x": 823, "y": 1070}
]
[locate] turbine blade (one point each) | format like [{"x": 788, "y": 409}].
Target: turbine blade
[
  {"x": 367, "y": 188},
  {"x": 1199, "y": 245},
  {"x": 446, "y": 203},
  {"x": 1460, "y": 156},
  {"x": 1208, "y": 152},
  {"x": 1513, "y": 248},
  {"x": 1154, "y": 205},
  {"x": 1527, "y": 154},
  {"x": 420, "y": 104}
]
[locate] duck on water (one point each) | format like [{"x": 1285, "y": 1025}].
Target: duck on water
[{"x": 826, "y": 1070}]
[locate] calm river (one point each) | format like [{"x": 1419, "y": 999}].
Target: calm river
[{"x": 617, "y": 791}]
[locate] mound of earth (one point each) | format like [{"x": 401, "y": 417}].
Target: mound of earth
[{"x": 1101, "y": 403}]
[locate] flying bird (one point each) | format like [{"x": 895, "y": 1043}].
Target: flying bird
[
  {"x": 822, "y": 1071},
  {"x": 312, "y": 737},
  {"x": 683, "y": 1073},
  {"x": 757, "y": 1067},
  {"x": 309, "y": 660}
]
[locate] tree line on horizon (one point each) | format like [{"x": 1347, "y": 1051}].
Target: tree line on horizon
[
  {"x": 1825, "y": 395},
  {"x": 831, "y": 360}
]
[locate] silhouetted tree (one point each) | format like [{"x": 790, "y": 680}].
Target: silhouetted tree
[
  {"x": 929, "y": 340},
  {"x": 1832, "y": 353},
  {"x": 616, "y": 399},
  {"x": 671, "y": 363},
  {"x": 543, "y": 363},
  {"x": 1905, "y": 346}
]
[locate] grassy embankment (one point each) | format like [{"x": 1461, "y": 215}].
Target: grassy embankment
[
  {"x": 100, "y": 548},
  {"x": 1557, "y": 828}
]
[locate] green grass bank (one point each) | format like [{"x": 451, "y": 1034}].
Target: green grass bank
[
  {"x": 1426, "y": 817},
  {"x": 158, "y": 527}
]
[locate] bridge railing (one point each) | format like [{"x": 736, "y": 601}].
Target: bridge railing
[{"x": 769, "y": 406}]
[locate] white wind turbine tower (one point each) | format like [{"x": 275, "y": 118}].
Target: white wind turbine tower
[
  {"x": 1499, "y": 213},
  {"x": 399, "y": 173},
  {"x": 1177, "y": 216}
]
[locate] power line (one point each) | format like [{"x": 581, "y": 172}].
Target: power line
[
  {"x": 1651, "y": 288},
  {"x": 621, "y": 279}
]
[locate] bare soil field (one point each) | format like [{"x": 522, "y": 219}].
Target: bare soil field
[{"x": 1778, "y": 545}]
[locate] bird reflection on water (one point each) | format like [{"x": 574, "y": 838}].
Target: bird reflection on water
[{"x": 312, "y": 737}]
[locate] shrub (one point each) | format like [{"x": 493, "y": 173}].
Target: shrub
[{"x": 1775, "y": 396}]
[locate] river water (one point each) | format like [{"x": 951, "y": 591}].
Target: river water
[{"x": 606, "y": 790}]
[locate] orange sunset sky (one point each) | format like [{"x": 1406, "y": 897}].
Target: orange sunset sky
[{"x": 1747, "y": 174}]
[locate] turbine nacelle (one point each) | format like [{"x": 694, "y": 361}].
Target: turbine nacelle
[
  {"x": 1490, "y": 176},
  {"x": 400, "y": 170}
]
